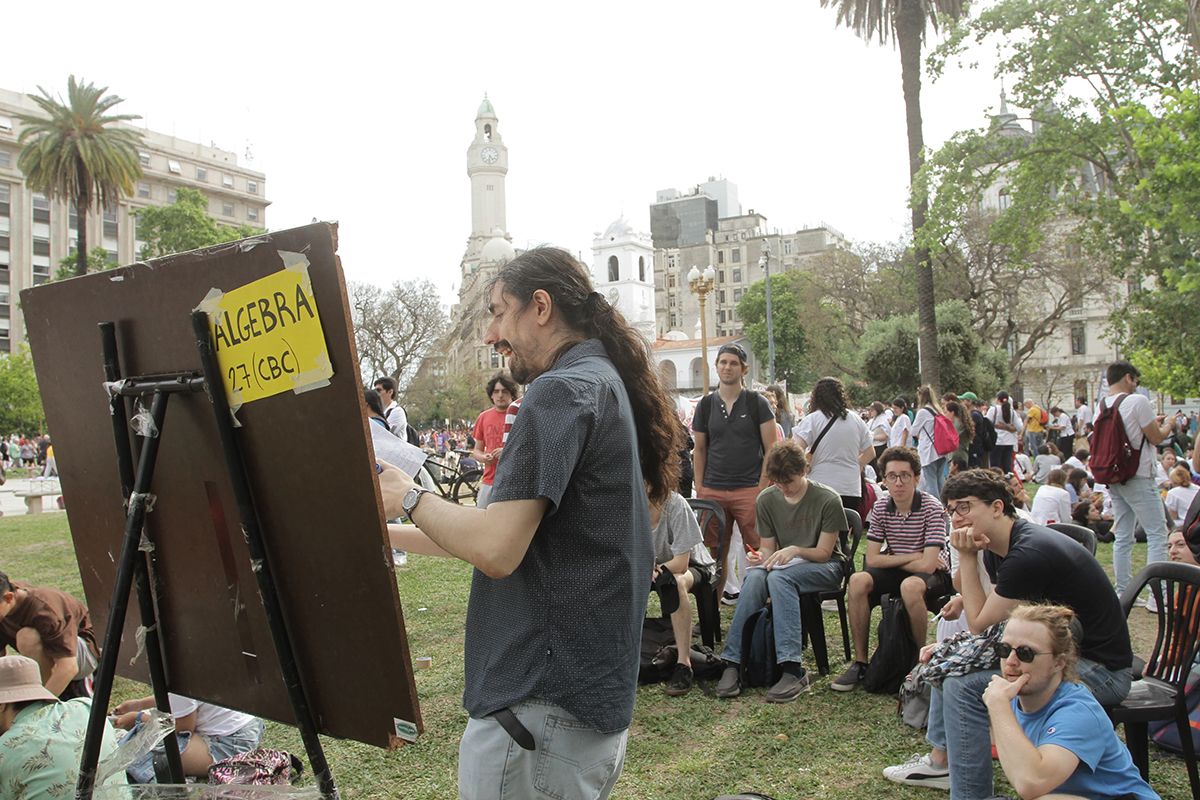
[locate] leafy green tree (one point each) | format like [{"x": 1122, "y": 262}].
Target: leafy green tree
[
  {"x": 431, "y": 400},
  {"x": 79, "y": 152},
  {"x": 904, "y": 22},
  {"x": 1113, "y": 90},
  {"x": 97, "y": 261},
  {"x": 20, "y": 402},
  {"x": 184, "y": 225},
  {"x": 786, "y": 315},
  {"x": 888, "y": 355}
]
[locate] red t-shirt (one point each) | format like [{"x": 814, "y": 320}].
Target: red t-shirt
[{"x": 489, "y": 434}]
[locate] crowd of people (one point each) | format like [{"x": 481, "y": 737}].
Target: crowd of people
[
  {"x": 28, "y": 452},
  {"x": 588, "y": 473}
]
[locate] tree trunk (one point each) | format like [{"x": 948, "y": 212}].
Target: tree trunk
[
  {"x": 910, "y": 26},
  {"x": 81, "y": 254}
]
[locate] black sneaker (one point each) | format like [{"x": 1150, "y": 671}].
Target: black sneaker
[
  {"x": 681, "y": 681},
  {"x": 849, "y": 680}
]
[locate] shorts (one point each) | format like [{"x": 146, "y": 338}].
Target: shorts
[
  {"x": 220, "y": 747},
  {"x": 887, "y": 581}
]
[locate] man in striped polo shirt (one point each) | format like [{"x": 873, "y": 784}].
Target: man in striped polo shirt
[{"x": 917, "y": 564}]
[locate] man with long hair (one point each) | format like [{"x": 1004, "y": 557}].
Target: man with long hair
[
  {"x": 562, "y": 552},
  {"x": 1052, "y": 736},
  {"x": 489, "y": 432}
]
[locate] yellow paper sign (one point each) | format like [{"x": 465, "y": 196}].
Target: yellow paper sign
[{"x": 268, "y": 335}]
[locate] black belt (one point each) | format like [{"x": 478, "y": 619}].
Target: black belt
[{"x": 513, "y": 727}]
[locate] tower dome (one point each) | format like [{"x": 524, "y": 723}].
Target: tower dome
[
  {"x": 497, "y": 250},
  {"x": 620, "y": 228}
]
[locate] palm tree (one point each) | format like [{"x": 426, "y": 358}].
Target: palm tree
[
  {"x": 904, "y": 22},
  {"x": 77, "y": 152}
]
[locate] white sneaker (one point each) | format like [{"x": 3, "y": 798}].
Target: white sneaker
[
  {"x": 728, "y": 599},
  {"x": 919, "y": 771},
  {"x": 1151, "y": 604},
  {"x": 399, "y": 557}
]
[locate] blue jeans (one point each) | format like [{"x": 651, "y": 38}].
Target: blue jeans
[
  {"x": 1136, "y": 500},
  {"x": 958, "y": 722},
  {"x": 933, "y": 477},
  {"x": 219, "y": 747},
  {"x": 784, "y": 587},
  {"x": 1033, "y": 443},
  {"x": 570, "y": 760}
]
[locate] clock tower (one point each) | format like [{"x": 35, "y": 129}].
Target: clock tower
[
  {"x": 623, "y": 271},
  {"x": 487, "y": 164}
]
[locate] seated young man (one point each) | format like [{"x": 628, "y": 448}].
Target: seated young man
[
  {"x": 41, "y": 738},
  {"x": 52, "y": 628},
  {"x": 912, "y": 524},
  {"x": 798, "y": 523},
  {"x": 679, "y": 550},
  {"x": 207, "y": 734},
  {"x": 1025, "y": 562},
  {"x": 1051, "y": 734}
]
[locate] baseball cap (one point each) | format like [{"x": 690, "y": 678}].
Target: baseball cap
[
  {"x": 735, "y": 349},
  {"x": 969, "y": 396},
  {"x": 21, "y": 680}
]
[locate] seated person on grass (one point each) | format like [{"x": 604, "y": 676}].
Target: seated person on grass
[
  {"x": 52, "y": 628},
  {"x": 798, "y": 523},
  {"x": 41, "y": 738},
  {"x": 1052, "y": 736},
  {"x": 1025, "y": 562},
  {"x": 1052, "y": 503},
  {"x": 912, "y": 524},
  {"x": 206, "y": 733},
  {"x": 679, "y": 550}
]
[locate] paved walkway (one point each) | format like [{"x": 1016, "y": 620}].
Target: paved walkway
[{"x": 13, "y": 506}]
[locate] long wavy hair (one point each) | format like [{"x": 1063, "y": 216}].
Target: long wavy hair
[
  {"x": 587, "y": 313},
  {"x": 829, "y": 396},
  {"x": 962, "y": 413},
  {"x": 927, "y": 399}
]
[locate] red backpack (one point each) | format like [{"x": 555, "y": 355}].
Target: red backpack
[
  {"x": 945, "y": 438},
  {"x": 1113, "y": 458}
]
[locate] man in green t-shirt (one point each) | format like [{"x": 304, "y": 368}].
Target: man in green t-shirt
[{"x": 798, "y": 523}]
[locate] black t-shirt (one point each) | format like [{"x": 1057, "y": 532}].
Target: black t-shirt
[
  {"x": 734, "y": 447},
  {"x": 1044, "y": 565}
]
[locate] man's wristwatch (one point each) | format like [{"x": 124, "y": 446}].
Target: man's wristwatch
[{"x": 411, "y": 498}]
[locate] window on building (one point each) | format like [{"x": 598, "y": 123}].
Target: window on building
[
  {"x": 721, "y": 296},
  {"x": 227, "y": 181},
  {"x": 788, "y": 244},
  {"x": 670, "y": 280},
  {"x": 4, "y": 326},
  {"x": 721, "y": 276},
  {"x": 737, "y": 295},
  {"x": 252, "y": 214},
  {"x": 736, "y": 255},
  {"x": 111, "y": 257},
  {"x": 110, "y": 223},
  {"x": 144, "y": 157},
  {"x": 72, "y": 217},
  {"x": 174, "y": 166},
  {"x": 487, "y": 133},
  {"x": 5, "y": 158},
  {"x": 6, "y": 124},
  {"x": 41, "y": 208},
  {"x": 143, "y": 190},
  {"x": 4, "y": 245},
  {"x": 614, "y": 270},
  {"x": 642, "y": 268},
  {"x": 172, "y": 195},
  {"x": 1078, "y": 339},
  {"x": 1005, "y": 199},
  {"x": 671, "y": 301},
  {"x": 201, "y": 174},
  {"x": 41, "y": 247},
  {"x": 737, "y": 275},
  {"x": 252, "y": 187},
  {"x": 721, "y": 317},
  {"x": 720, "y": 256},
  {"x": 227, "y": 209},
  {"x": 4, "y": 199},
  {"x": 4, "y": 293}
]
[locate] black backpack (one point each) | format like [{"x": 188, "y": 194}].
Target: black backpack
[
  {"x": 759, "y": 667},
  {"x": 985, "y": 431},
  {"x": 412, "y": 437},
  {"x": 896, "y": 654}
]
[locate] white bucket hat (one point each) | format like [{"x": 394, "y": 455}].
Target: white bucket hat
[{"x": 21, "y": 680}]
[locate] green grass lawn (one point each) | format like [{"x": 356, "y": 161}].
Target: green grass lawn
[{"x": 825, "y": 745}]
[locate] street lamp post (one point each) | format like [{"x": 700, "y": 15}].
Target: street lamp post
[
  {"x": 764, "y": 261},
  {"x": 701, "y": 285}
]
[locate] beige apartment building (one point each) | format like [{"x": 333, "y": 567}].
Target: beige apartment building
[{"x": 37, "y": 233}]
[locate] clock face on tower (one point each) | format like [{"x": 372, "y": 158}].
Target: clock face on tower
[{"x": 490, "y": 155}]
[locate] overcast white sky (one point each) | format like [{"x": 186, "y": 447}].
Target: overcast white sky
[{"x": 362, "y": 113}]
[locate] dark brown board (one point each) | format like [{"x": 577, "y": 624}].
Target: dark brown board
[{"x": 310, "y": 465}]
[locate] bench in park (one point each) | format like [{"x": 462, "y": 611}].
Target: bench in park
[{"x": 33, "y": 499}]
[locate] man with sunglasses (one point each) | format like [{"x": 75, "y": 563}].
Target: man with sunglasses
[
  {"x": 1025, "y": 562},
  {"x": 1051, "y": 734},
  {"x": 916, "y": 565}
]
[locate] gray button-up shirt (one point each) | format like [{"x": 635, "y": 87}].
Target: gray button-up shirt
[{"x": 565, "y": 627}]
